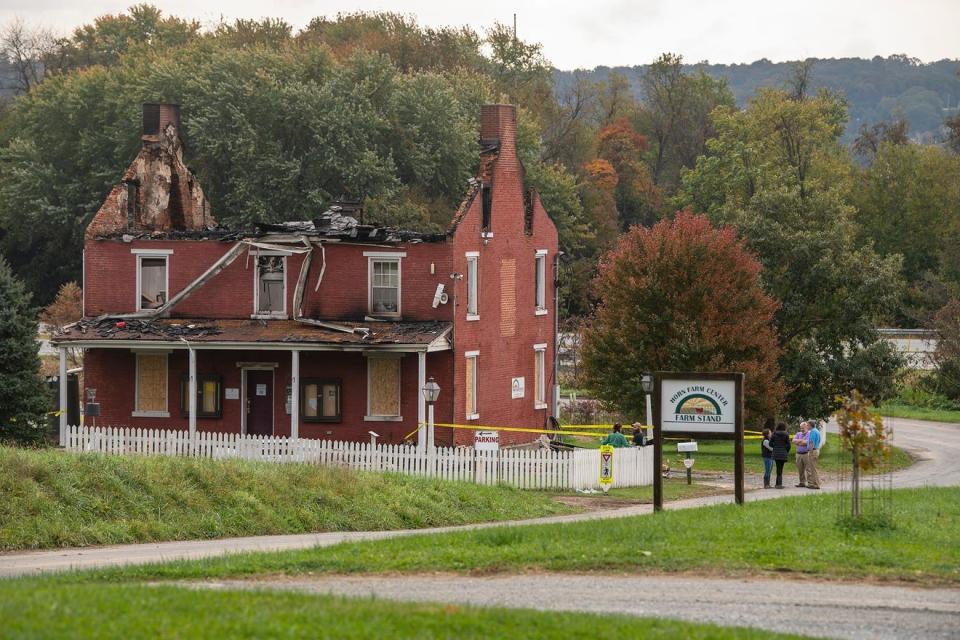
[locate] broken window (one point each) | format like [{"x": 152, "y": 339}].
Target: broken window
[
  {"x": 540, "y": 269},
  {"x": 486, "y": 198},
  {"x": 385, "y": 287},
  {"x": 209, "y": 393},
  {"x": 383, "y": 387},
  {"x": 471, "y": 385},
  {"x": 473, "y": 260},
  {"x": 321, "y": 401},
  {"x": 151, "y": 282},
  {"x": 271, "y": 285},
  {"x": 151, "y": 385},
  {"x": 539, "y": 379}
]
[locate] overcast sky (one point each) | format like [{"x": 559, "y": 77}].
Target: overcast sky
[{"x": 588, "y": 33}]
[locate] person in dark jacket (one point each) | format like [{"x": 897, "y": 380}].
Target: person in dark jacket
[
  {"x": 766, "y": 451},
  {"x": 781, "y": 450}
]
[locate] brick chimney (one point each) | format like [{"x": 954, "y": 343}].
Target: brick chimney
[
  {"x": 498, "y": 125},
  {"x": 156, "y": 117}
]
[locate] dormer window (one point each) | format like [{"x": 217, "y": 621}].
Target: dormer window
[
  {"x": 152, "y": 278},
  {"x": 384, "y": 278},
  {"x": 270, "y": 293}
]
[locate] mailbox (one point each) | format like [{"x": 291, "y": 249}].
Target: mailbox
[{"x": 686, "y": 447}]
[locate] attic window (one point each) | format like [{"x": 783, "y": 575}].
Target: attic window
[
  {"x": 486, "y": 197},
  {"x": 271, "y": 285}
]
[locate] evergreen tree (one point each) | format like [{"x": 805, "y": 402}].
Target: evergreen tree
[{"x": 23, "y": 398}]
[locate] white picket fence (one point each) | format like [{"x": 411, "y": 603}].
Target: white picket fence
[{"x": 525, "y": 469}]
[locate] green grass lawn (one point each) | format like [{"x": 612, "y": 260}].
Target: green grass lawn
[
  {"x": 793, "y": 535},
  {"x": 51, "y": 498},
  {"x": 717, "y": 455},
  {"x": 673, "y": 489},
  {"x": 49, "y": 609},
  {"x": 899, "y": 410}
]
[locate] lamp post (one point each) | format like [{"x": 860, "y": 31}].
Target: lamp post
[
  {"x": 431, "y": 391},
  {"x": 647, "y": 383}
]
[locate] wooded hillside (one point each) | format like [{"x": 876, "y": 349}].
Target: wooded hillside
[{"x": 876, "y": 90}]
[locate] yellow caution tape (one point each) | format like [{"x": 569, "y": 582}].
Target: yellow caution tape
[{"x": 568, "y": 430}]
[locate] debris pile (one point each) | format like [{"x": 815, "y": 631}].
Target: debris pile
[{"x": 134, "y": 329}]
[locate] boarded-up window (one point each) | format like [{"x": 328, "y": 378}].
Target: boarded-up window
[
  {"x": 539, "y": 386},
  {"x": 508, "y": 297},
  {"x": 271, "y": 284},
  {"x": 152, "y": 276},
  {"x": 471, "y": 385},
  {"x": 383, "y": 379},
  {"x": 151, "y": 383},
  {"x": 321, "y": 400}
]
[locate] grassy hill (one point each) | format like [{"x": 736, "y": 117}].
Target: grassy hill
[{"x": 51, "y": 498}]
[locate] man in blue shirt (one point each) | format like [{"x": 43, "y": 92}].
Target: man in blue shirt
[{"x": 814, "y": 442}]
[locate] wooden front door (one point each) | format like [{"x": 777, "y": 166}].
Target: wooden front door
[{"x": 259, "y": 393}]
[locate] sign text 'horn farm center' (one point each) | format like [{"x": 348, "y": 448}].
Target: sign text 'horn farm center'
[{"x": 706, "y": 406}]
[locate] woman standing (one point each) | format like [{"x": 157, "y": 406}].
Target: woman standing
[
  {"x": 781, "y": 449},
  {"x": 766, "y": 450}
]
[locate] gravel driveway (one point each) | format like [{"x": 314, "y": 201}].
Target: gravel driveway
[{"x": 824, "y": 609}]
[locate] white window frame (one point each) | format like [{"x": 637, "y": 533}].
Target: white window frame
[
  {"x": 136, "y": 385},
  {"x": 369, "y": 417},
  {"x": 385, "y": 256},
  {"x": 157, "y": 254},
  {"x": 473, "y": 285},
  {"x": 473, "y": 356},
  {"x": 266, "y": 315},
  {"x": 540, "y": 281},
  {"x": 539, "y": 376}
]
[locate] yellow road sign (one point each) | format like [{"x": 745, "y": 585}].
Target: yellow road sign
[{"x": 606, "y": 465}]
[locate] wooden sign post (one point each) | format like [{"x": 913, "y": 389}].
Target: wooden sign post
[{"x": 704, "y": 406}]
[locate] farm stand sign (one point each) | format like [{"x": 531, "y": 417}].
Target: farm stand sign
[{"x": 698, "y": 406}]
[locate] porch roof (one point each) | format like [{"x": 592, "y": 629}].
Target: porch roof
[{"x": 308, "y": 334}]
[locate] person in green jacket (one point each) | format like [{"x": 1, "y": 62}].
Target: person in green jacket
[{"x": 616, "y": 439}]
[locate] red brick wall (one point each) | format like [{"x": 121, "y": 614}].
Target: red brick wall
[
  {"x": 112, "y": 372},
  {"x": 504, "y": 357},
  {"x": 111, "y": 279}
]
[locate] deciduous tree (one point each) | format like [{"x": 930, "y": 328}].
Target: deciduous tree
[
  {"x": 778, "y": 173},
  {"x": 681, "y": 296}
]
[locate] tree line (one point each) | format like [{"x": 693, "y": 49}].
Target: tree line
[{"x": 278, "y": 122}]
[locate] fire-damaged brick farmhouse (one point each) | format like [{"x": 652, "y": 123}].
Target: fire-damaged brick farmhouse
[{"x": 325, "y": 328}]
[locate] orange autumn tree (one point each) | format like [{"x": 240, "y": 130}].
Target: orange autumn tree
[
  {"x": 637, "y": 197},
  {"x": 600, "y": 202},
  {"x": 681, "y": 296}
]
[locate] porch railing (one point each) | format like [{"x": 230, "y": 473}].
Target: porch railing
[{"x": 525, "y": 469}]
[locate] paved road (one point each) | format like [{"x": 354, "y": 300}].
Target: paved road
[
  {"x": 806, "y": 607},
  {"x": 938, "y": 446}
]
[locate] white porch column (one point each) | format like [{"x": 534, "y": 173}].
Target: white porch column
[
  {"x": 294, "y": 394},
  {"x": 193, "y": 391},
  {"x": 63, "y": 396},
  {"x": 421, "y": 403}
]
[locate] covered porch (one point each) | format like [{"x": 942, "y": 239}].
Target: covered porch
[{"x": 271, "y": 378}]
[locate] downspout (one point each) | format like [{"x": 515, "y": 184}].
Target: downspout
[{"x": 556, "y": 335}]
